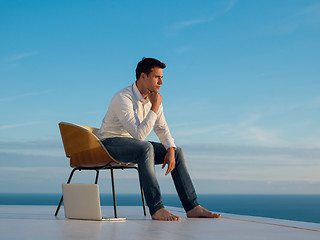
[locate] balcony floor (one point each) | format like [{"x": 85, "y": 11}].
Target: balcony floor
[{"x": 39, "y": 222}]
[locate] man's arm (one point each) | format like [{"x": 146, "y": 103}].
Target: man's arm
[
  {"x": 130, "y": 121},
  {"x": 162, "y": 130}
]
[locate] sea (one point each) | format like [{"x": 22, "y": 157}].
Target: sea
[{"x": 300, "y": 207}]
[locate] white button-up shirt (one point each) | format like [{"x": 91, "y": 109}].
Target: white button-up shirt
[{"x": 130, "y": 115}]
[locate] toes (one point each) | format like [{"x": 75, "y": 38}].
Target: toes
[
  {"x": 174, "y": 218},
  {"x": 165, "y": 216},
  {"x": 200, "y": 212}
]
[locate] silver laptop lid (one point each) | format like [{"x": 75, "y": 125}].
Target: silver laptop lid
[{"x": 81, "y": 201}]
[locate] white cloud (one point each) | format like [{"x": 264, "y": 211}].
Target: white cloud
[
  {"x": 198, "y": 131},
  {"x": 32, "y": 152},
  {"x": 310, "y": 14},
  {"x": 243, "y": 132},
  {"x": 226, "y": 163},
  {"x": 307, "y": 16},
  {"x": 183, "y": 50},
  {"x": 201, "y": 20},
  {"x": 189, "y": 23},
  {"x": 231, "y": 4},
  {"x": 250, "y": 120},
  {"x": 261, "y": 135},
  {"x": 33, "y": 169},
  {"x": 293, "y": 154},
  {"x": 17, "y": 125},
  {"x": 283, "y": 28},
  {"x": 24, "y": 95},
  {"x": 253, "y": 163},
  {"x": 20, "y": 56},
  {"x": 311, "y": 103}
]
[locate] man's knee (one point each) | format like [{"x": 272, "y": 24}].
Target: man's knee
[
  {"x": 179, "y": 151},
  {"x": 146, "y": 150},
  {"x": 179, "y": 154}
]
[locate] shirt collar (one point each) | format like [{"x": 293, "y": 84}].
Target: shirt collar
[{"x": 138, "y": 94}]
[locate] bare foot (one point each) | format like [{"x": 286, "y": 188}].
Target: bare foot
[
  {"x": 164, "y": 215},
  {"x": 200, "y": 212}
]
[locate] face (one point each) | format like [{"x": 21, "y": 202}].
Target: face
[{"x": 154, "y": 80}]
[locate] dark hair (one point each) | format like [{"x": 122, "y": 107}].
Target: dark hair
[{"x": 146, "y": 65}]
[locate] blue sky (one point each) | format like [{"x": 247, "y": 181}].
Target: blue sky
[{"x": 241, "y": 87}]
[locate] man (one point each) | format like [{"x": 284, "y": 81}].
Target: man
[{"x": 132, "y": 114}]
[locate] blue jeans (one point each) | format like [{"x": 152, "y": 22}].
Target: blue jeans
[{"x": 146, "y": 155}]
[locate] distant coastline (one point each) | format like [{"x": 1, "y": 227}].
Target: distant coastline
[{"x": 297, "y": 207}]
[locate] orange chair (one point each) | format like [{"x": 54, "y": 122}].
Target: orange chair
[{"x": 86, "y": 152}]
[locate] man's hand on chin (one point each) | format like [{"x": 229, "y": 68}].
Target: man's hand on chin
[{"x": 155, "y": 99}]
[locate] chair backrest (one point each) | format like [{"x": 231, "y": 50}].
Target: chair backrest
[{"x": 83, "y": 147}]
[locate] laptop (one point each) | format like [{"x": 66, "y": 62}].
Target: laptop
[{"x": 82, "y": 201}]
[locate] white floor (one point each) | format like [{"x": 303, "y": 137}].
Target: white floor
[{"x": 39, "y": 222}]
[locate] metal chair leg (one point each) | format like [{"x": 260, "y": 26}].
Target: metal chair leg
[
  {"x": 143, "y": 202},
  {"x": 113, "y": 190},
  {"x": 142, "y": 195},
  {"x": 97, "y": 176},
  {"x": 69, "y": 180},
  {"x": 113, "y": 194}
]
